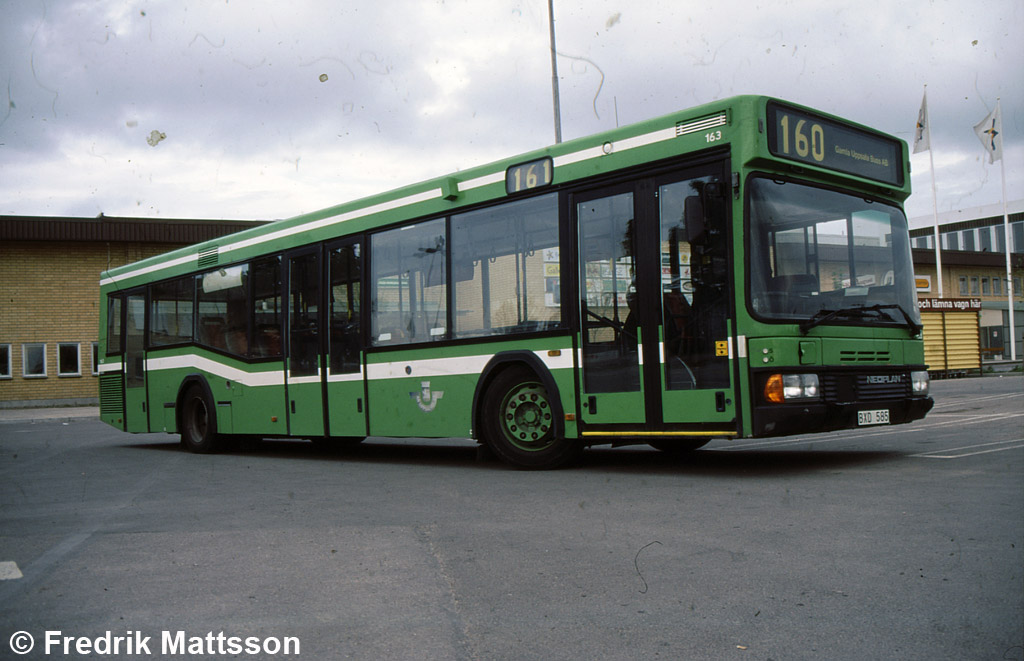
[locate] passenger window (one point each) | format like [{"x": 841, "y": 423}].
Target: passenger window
[
  {"x": 266, "y": 309},
  {"x": 115, "y": 343},
  {"x": 346, "y": 334},
  {"x": 505, "y": 264},
  {"x": 409, "y": 287},
  {"x": 223, "y": 309},
  {"x": 171, "y": 312}
]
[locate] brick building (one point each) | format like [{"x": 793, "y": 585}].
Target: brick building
[{"x": 49, "y": 296}]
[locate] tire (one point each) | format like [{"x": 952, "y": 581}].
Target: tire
[
  {"x": 518, "y": 422},
  {"x": 680, "y": 446},
  {"x": 198, "y": 423}
]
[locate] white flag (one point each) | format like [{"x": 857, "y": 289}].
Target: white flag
[
  {"x": 922, "y": 132},
  {"x": 990, "y": 132}
]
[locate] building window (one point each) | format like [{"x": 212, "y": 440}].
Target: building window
[
  {"x": 1017, "y": 230},
  {"x": 984, "y": 287},
  {"x": 33, "y": 360},
  {"x": 968, "y": 236},
  {"x": 974, "y": 286},
  {"x": 952, "y": 241},
  {"x": 1016, "y": 287},
  {"x": 985, "y": 238},
  {"x": 69, "y": 359},
  {"x": 963, "y": 285},
  {"x": 95, "y": 358},
  {"x": 997, "y": 286},
  {"x": 5, "y": 361}
]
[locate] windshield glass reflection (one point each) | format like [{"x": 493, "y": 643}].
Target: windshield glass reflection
[{"x": 818, "y": 256}]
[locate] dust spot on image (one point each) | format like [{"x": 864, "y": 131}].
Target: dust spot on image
[
  {"x": 323, "y": 78},
  {"x": 155, "y": 137}
]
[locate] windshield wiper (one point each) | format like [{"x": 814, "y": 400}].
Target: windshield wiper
[
  {"x": 914, "y": 327},
  {"x": 823, "y": 316}
]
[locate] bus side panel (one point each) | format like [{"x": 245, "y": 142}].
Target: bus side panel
[
  {"x": 247, "y": 402},
  {"x": 259, "y": 409},
  {"x": 433, "y": 397},
  {"x": 411, "y": 396},
  {"x": 112, "y": 399}
]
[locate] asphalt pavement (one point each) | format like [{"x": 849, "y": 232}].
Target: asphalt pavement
[{"x": 901, "y": 542}]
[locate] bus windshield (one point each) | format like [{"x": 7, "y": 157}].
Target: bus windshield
[{"x": 819, "y": 256}]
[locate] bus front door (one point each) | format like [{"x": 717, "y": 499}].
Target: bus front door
[
  {"x": 303, "y": 372},
  {"x": 654, "y": 312},
  {"x": 694, "y": 328},
  {"x": 610, "y": 380}
]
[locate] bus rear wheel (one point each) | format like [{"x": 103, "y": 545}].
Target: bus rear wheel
[
  {"x": 518, "y": 422},
  {"x": 198, "y": 425}
]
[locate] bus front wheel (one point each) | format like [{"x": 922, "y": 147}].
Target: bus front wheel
[
  {"x": 198, "y": 426},
  {"x": 518, "y": 422}
]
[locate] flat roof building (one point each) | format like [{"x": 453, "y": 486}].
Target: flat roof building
[
  {"x": 973, "y": 260},
  {"x": 49, "y": 296}
]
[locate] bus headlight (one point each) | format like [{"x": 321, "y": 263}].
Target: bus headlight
[
  {"x": 788, "y": 387},
  {"x": 919, "y": 381}
]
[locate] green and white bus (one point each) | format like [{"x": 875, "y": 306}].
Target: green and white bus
[{"x": 741, "y": 269}]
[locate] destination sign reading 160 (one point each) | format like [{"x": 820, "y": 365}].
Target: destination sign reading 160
[{"x": 801, "y": 136}]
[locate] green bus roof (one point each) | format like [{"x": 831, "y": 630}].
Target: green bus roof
[{"x": 693, "y": 130}]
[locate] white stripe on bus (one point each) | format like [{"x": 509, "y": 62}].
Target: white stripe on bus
[
  {"x": 421, "y": 368},
  {"x": 284, "y": 233},
  {"x": 193, "y": 361}
]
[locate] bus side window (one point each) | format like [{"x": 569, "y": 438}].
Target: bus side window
[
  {"x": 222, "y": 309},
  {"x": 408, "y": 285},
  {"x": 266, "y": 308},
  {"x": 345, "y": 292}
]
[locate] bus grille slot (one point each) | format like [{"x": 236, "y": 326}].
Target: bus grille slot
[
  {"x": 111, "y": 394},
  {"x": 209, "y": 257},
  {"x": 847, "y": 388},
  {"x": 702, "y": 124},
  {"x": 864, "y": 357}
]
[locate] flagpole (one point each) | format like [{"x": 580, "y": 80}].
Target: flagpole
[
  {"x": 927, "y": 126},
  {"x": 1006, "y": 234},
  {"x": 935, "y": 216},
  {"x": 554, "y": 72}
]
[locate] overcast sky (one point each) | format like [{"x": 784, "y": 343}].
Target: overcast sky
[{"x": 232, "y": 109}]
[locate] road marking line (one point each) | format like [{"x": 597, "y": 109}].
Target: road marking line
[
  {"x": 945, "y": 454},
  {"x": 9, "y": 570},
  {"x": 962, "y": 402},
  {"x": 852, "y": 434}
]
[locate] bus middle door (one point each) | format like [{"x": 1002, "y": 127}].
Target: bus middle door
[
  {"x": 346, "y": 406},
  {"x": 303, "y": 373}
]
